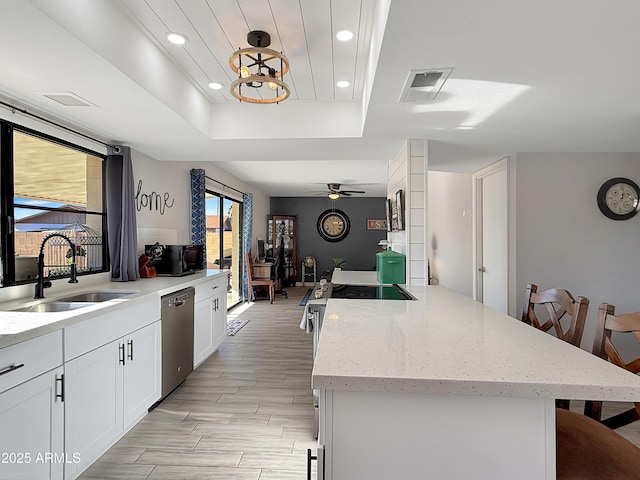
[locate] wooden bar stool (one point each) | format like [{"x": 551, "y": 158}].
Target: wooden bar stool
[
  {"x": 603, "y": 347},
  {"x": 558, "y": 303},
  {"x": 587, "y": 450}
]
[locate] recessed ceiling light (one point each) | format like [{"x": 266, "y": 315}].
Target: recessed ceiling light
[
  {"x": 342, "y": 84},
  {"x": 215, "y": 85},
  {"x": 176, "y": 38},
  {"x": 344, "y": 35}
]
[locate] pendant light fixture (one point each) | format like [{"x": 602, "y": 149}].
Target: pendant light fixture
[{"x": 259, "y": 66}]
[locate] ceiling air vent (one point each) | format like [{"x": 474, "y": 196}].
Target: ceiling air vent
[
  {"x": 68, "y": 99},
  {"x": 423, "y": 85}
]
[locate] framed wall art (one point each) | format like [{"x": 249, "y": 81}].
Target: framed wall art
[
  {"x": 400, "y": 209},
  {"x": 376, "y": 224}
]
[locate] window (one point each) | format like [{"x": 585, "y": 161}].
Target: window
[
  {"x": 224, "y": 240},
  {"x": 49, "y": 186}
]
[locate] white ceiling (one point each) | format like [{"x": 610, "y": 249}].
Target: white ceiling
[{"x": 527, "y": 76}]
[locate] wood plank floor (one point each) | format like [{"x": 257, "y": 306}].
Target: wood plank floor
[{"x": 245, "y": 414}]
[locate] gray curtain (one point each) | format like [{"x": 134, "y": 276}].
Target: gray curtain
[
  {"x": 121, "y": 215},
  {"x": 247, "y": 226}
]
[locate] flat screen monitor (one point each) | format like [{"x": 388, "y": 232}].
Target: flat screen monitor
[{"x": 261, "y": 252}]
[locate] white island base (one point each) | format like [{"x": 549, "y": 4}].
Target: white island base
[{"x": 380, "y": 436}]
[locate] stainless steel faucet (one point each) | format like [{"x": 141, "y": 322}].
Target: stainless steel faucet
[{"x": 41, "y": 283}]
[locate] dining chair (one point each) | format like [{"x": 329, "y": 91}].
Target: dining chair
[
  {"x": 557, "y": 303},
  {"x": 260, "y": 281},
  {"x": 628, "y": 325},
  {"x": 588, "y": 450}
]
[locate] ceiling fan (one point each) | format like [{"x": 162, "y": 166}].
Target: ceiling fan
[{"x": 335, "y": 192}]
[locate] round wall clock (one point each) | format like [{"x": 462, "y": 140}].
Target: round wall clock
[
  {"x": 333, "y": 225},
  {"x": 618, "y": 198}
]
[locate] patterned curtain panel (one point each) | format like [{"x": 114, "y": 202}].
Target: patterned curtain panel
[
  {"x": 121, "y": 215},
  {"x": 247, "y": 225},
  {"x": 198, "y": 211}
]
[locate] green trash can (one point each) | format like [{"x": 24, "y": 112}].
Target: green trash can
[{"x": 391, "y": 267}]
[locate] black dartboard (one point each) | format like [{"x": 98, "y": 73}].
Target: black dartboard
[{"x": 333, "y": 225}]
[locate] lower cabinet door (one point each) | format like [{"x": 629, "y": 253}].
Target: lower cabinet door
[
  {"x": 142, "y": 372},
  {"x": 31, "y": 429},
  {"x": 93, "y": 404},
  {"x": 203, "y": 331},
  {"x": 219, "y": 314}
]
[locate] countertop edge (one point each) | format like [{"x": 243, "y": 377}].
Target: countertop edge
[
  {"x": 50, "y": 322},
  {"x": 474, "y": 388}
]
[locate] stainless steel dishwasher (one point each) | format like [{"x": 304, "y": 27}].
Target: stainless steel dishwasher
[{"x": 177, "y": 338}]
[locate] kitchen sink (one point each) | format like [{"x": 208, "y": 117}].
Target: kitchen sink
[
  {"x": 96, "y": 296},
  {"x": 53, "y": 307},
  {"x": 74, "y": 301}
]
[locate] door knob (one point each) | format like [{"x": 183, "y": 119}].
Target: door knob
[{"x": 482, "y": 269}]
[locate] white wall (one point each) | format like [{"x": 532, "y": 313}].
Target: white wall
[
  {"x": 160, "y": 180},
  {"x": 450, "y": 231},
  {"x": 562, "y": 238},
  {"x": 416, "y": 207},
  {"x": 398, "y": 179},
  {"x": 408, "y": 172}
]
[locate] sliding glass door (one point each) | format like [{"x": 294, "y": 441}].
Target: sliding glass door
[{"x": 224, "y": 236}]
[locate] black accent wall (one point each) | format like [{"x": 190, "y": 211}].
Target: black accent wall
[{"x": 360, "y": 246}]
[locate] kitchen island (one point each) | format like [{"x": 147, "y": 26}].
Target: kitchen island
[{"x": 444, "y": 387}]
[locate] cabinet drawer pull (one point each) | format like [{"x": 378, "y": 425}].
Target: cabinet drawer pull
[
  {"x": 11, "y": 369},
  {"x": 309, "y": 458},
  {"x": 130, "y": 345},
  {"x": 214, "y": 287},
  {"x": 61, "y": 394},
  {"x": 121, "y": 353}
]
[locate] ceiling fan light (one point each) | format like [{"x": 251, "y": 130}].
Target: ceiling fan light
[{"x": 334, "y": 196}]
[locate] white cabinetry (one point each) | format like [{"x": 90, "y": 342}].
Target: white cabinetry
[
  {"x": 142, "y": 372},
  {"x": 111, "y": 386},
  {"x": 31, "y": 421},
  {"x": 382, "y": 435},
  {"x": 108, "y": 390},
  {"x": 31, "y": 409},
  {"x": 93, "y": 419},
  {"x": 210, "y": 322}
]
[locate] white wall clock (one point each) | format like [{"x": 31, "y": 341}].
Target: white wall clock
[{"x": 618, "y": 198}]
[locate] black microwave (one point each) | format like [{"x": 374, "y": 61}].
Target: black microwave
[{"x": 177, "y": 260}]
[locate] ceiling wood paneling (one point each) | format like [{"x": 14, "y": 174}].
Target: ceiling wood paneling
[{"x": 304, "y": 30}]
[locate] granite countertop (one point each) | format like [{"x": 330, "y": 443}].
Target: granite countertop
[
  {"x": 446, "y": 343},
  {"x": 17, "y": 327}
]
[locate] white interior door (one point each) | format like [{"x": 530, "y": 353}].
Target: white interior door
[{"x": 492, "y": 239}]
